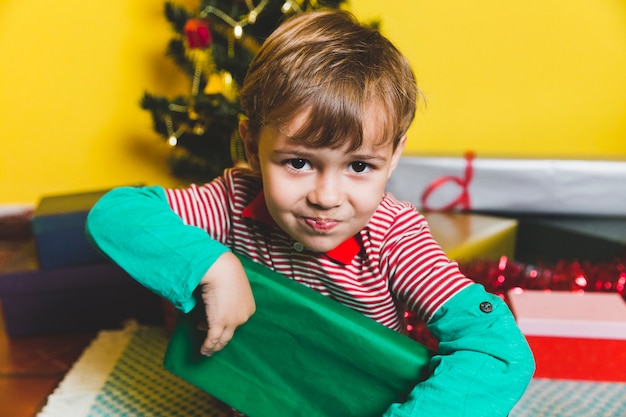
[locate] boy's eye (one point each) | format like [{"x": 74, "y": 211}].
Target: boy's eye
[
  {"x": 297, "y": 163},
  {"x": 359, "y": 166}
]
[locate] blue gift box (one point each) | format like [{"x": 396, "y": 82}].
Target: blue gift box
[{"x": 59, "y": 229}]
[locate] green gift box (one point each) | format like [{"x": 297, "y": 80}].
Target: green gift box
[{"x": 300, "y": 354}]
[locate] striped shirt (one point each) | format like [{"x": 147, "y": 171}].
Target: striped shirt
[{"x": 393, "y": 261}]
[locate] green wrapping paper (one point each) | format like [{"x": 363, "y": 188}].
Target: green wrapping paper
[{"x": 300, "y": 355}]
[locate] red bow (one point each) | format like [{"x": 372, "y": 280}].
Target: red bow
[{"x": 463, "y": 200}]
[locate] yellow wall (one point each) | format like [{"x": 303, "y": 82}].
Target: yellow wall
[
  {"x": 527, "y": 78},
  {"x": 502, "y": 78}
]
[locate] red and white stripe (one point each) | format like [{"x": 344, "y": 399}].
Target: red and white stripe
[{"x": 400, "y": 261}]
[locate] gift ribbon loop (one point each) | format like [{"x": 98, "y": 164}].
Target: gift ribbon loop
[{"x": 463, "y": 199}]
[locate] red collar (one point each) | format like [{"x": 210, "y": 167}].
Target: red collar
[{"x": 344, "y": 253}]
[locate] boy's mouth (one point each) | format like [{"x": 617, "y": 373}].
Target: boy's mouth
[{"x": 321, "y": 225}]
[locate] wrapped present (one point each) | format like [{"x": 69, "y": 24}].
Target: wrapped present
[
  {"x": 70, "y": 299},
  {"x": 467, "y": 236},
  {"x": 557, "y": 238},
  {"x": 59, "y": 228},
  {"x": 301, "y": 354},
  {"x": 573, "y": 335},
  {"x": 512, "y": 185}
]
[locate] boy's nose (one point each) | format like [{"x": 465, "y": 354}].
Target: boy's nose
[{"x": 327, "y": 192}]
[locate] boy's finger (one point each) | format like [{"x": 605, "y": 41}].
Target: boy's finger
[
  {"x": 212, "y": 340},
  {"x": 216, "y": 340},
  {"x": 209, "y": 346}
]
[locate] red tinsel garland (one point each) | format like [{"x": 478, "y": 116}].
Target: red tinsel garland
[
  {"x": 498, "y": 277},
  {"x": 504, "y": 275}
]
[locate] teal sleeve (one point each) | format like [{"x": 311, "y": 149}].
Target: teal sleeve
[
  {"x": 137, "y": 229},
  {"x": 483, "y": 364}
]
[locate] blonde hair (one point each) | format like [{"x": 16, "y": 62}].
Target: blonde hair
[{"x": 327, "y": 64}]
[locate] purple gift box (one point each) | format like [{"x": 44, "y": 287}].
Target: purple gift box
[{"x": 72, "y": 299}]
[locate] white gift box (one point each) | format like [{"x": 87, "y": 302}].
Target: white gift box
[
  {"x": 579, "y": 336},
  {"x": 574, "y": 187}
]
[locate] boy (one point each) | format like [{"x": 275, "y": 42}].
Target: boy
[{"x": 328, "y": 103}]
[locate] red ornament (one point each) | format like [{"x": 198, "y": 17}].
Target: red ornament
[{"x": 198, "y": 34}]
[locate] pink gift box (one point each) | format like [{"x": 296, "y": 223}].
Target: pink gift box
[{"x": 573, "y": 335}]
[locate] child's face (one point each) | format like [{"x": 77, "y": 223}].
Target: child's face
[{"x": 322, "y": 196}]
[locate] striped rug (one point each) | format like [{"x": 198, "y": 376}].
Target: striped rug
[{"x": 121, "y": 374}]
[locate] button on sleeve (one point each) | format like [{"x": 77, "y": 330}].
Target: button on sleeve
[{"x": 486, "y": 307}]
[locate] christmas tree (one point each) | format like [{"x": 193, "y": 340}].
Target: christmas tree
[{"x": 214, "y": 45}]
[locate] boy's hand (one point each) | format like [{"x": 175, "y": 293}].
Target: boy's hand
[{"x": 228, "y": 301}]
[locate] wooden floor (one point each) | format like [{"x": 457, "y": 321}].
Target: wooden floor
[{"x": 30, "y": 367}]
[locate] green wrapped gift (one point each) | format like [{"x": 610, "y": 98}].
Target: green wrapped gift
[{"x": 300, "y": 354}]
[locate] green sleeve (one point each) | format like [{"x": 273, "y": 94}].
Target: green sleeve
[
  {"x": 483, "y": 364},
  {"x": 136, "y": 228}
]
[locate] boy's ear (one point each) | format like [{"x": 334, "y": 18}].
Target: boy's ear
[
  {"x": 397, "y": 154},
  {"x": 250, "y": 145}
]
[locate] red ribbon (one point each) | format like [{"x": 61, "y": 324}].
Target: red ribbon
[{"x": 463, "y": 200}]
